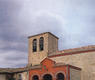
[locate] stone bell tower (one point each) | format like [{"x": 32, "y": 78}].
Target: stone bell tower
[{"x": 40, "y": 46}]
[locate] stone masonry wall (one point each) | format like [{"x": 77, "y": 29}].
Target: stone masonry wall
[
  {"x": 24, "y": 75},
  {"x": 86, "y": 61},
  {"x": 75, "y": 74},
  {"x": 35, "y": 58},
  {"x": 52, "y": 44},
  {"x": 2, "y": 77}
]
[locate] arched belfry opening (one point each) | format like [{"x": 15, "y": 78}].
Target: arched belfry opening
[
  {"x": 47, "y": 77},
  {"x": 41, "y": 43},
  {"x": 40, "y": 46},
  {"x": 34, "y": 45}
]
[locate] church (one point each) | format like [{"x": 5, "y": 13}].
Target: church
[{"x": 46, "y": 62}]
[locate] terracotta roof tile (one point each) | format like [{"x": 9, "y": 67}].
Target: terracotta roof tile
[
  {"x": 15, "y": 70},
  {"x": 74, "y": 50}
]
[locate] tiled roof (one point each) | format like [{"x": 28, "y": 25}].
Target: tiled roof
[
  {"x": 12, "y": 70},
  {"x": 59, "y": 64},
  {"x": 74, "y": 50},
  {"x": 44, "y": 33},
  {"x": 16, "y": 70},
  {"x": 64, "y": 52},
  {"x": 63, "y": 64}
]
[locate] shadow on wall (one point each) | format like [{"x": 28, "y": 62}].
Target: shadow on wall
[{"x": 10, "y": 77}]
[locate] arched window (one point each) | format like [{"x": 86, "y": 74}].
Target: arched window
[
  {"x": 41, "y": 43},
  {"x": 34, "y": 45},
  {"x": 47, "y": 77},
  {"x": 35, "y": 77},
  {"x": 60, "y": 76}
]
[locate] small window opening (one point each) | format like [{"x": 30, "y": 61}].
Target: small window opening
[
  {"x": 34, "y": 45},
  {"x": 47, "y": 77},
  {"x": 35, "y": 77},
  {"x": 41, "y": 43},
  {"x": 60, "y": 76}
]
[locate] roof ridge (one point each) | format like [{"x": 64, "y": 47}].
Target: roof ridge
[
  {"x": 74, "y": 50},
  {"x": 42, "y": 34},
  {"x": 83, "y": 47}
]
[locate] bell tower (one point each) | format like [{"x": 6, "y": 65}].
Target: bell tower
[{"x": 40, "y": 45}]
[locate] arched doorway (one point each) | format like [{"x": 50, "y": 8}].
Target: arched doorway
[
  {"x": 47, "y": 77},
  {"x": 60, "y": 76},
  {"x": 35, "y": 77}
]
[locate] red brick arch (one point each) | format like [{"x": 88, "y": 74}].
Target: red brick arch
[
  {"x": 36, "y": 75},
  {"x": 60, "y": 72},
  {"x": 47, "y": 73}
]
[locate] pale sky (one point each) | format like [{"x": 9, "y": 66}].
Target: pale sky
[{"x": 73, "y": 21}]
